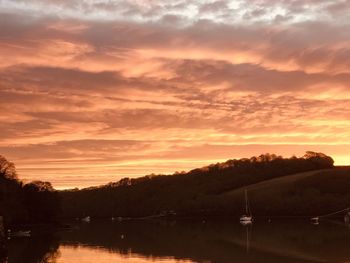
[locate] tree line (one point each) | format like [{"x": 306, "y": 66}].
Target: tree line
[{"x": 197, "y": 192}]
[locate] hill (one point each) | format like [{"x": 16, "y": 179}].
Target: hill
[
  {"x": 310, "y": 193},
  {"x": 203, "y": 191}
]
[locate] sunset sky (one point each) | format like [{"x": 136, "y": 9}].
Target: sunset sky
[{"x": 92, "y": 91}]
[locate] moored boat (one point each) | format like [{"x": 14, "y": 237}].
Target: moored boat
[{"x": 247, "y": 218}]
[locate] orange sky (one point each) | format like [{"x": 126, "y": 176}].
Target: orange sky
[{"x": 93, "y": 91}]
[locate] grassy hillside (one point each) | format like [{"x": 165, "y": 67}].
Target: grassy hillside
[{"x": 310, "y": 193}]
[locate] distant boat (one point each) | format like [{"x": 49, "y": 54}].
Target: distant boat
[
  {"x": 19, "y": 233},
  {"x": 86, "y": 219},
  {"x": 315, "y": 220},
  {"x": 247, "y": 218}
]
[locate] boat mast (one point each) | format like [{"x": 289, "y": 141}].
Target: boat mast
[{"x": 246, "y": 202}]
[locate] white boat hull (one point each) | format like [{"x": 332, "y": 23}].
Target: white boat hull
[{"x": 245, "y": 220}]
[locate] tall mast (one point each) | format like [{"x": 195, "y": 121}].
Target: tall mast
[{"x": 246, "y": 201}]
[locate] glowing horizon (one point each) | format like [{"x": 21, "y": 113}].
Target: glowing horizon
[{"x": 93, "y": 91}]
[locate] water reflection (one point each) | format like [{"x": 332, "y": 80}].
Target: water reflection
[
  {"x": 188, "y": 241},
  {"x": 70, "y": 254},
  {"x": 41, "y": 248}
]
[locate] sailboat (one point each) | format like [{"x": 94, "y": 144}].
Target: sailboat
[{"x": 247, "y": 218}]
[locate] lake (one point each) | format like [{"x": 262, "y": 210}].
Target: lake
[{"x": 187, "y": 241}]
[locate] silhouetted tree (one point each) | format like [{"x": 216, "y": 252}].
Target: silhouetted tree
[
  {"x": 319, "y": 159},
  {"x": 41, "y": 201},
  {"x": 10, "y": 188},
  {"x": 7, "y": 169},
  {"x": 34, "y": 202}
]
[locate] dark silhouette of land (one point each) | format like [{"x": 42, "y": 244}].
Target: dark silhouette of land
[
  {"x": 277, "y": 186},
  {"x": 217, "y": 190}
]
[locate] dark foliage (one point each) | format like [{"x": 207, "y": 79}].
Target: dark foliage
[
  {"x": 197, "y": 192},
  {"x": 41, "y": 201},
  {"x": 36, "y": 202},
  {"x": 11, "y": 206},
  {"x": 7, "y": 169}
]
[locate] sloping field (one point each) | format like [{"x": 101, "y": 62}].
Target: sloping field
[{"x": 311, "y": 193}]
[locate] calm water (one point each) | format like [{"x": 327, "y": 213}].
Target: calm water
[{"x": 187, "y": 242}]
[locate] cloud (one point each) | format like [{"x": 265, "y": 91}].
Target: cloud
[
  {"x": 138, "y": 48},
  {"x": 217, "y": 10},
  {"x": 125, "y": 88}
]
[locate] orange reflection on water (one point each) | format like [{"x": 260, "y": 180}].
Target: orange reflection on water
[{"x": 84, "y": 254}]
